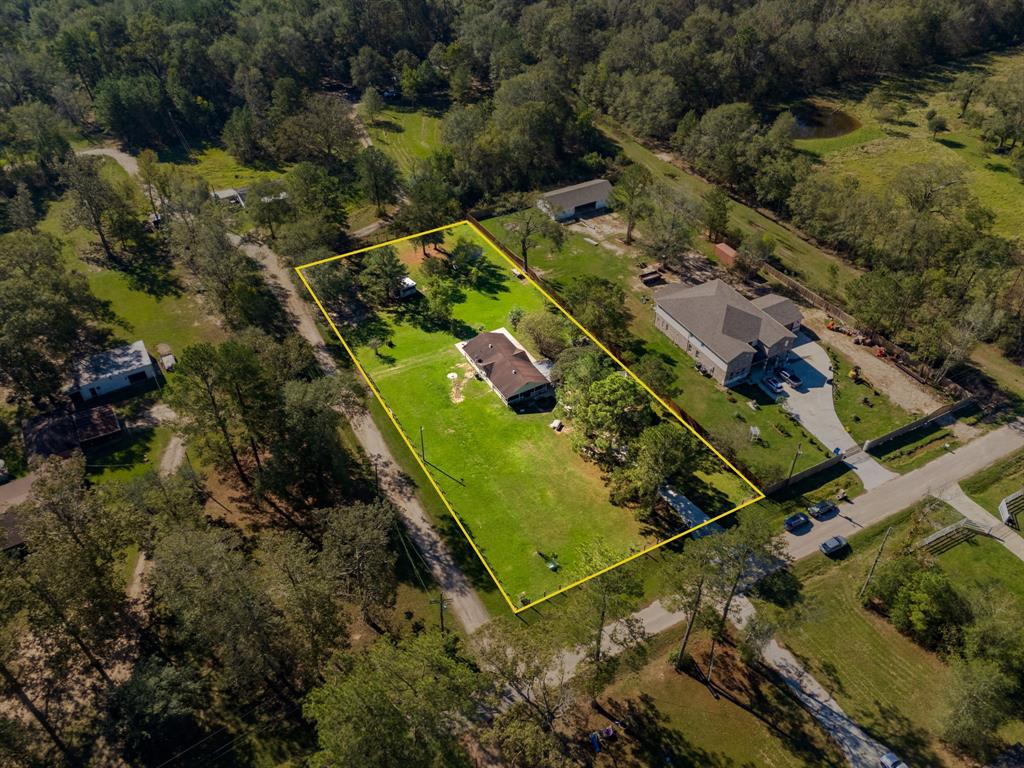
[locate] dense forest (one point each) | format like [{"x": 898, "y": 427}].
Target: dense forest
[{"x": 292, "y": 622}]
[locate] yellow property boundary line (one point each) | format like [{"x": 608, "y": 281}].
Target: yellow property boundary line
[{"x": 758, "y": 494}]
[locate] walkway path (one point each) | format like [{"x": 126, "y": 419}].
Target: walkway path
[
  {"x": 904, "y": 490},
  {"x": 463, "y": 599},
  {"x": 861, "y": 750},
  {"x": 954, "y": 495},
  {"x": 126, "y": 161}
]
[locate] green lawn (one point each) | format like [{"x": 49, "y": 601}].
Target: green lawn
[
  {"x": 725, "y": 415},
  {"x": 406, "y": 134},
  {"x": 995, "y": 483},
  {"x": 672, "y": 719},
  {"x": 221, "y": 170},
  {"x": 865, "y": 412},
  {"x": 982, "y": 566},
  {"x": 1007, "y": 375},
  {"x": 885, "y": 682},
  {"x": 518, "y": 486},
  {"x": 130, "y": 457},
  {"x": 916, "y": 448},
  {"x": 805, "y": 261},
  {"x": 173, "y": 317}
]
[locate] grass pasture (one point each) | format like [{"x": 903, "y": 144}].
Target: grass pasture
[
  {"x": 877, "y": 151},
  {"x": 406, "y": 134},
  {"x": 889, "y": 685},
  {"x": 520, "y": 491}
]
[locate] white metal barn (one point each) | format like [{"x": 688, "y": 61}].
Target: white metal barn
[
  {"x": 110, "y": 371},
  {"x": 578, "y": 200}
]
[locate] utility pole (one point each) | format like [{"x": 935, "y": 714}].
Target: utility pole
[
  {"x": 792, "y": 465},
  {"x": 423, "y": 452},
  {"x": 442, "y": 605}
]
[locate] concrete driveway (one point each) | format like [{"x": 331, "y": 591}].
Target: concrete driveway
[{"x": 813, "y": 405}]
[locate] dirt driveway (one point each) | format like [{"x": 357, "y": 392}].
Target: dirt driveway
[{"x": 902, "y": 389}]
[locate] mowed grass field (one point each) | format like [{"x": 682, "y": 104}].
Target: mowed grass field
[
  {"x": 406, "y": 134},
  {"x": 727, "y": 419},
  {"x": 174, "y": 316},
  {"x": 517, "y": 486}
]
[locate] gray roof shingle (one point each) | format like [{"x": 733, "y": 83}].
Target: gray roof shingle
[{"x": 724, "y": 320}]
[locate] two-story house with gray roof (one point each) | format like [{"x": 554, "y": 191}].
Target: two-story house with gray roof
[{"x": 725, "y": 332}]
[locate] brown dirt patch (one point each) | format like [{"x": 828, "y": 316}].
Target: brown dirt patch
[
  {"x": 465, "y": 373},
  {"x": 883, "y": 375}
]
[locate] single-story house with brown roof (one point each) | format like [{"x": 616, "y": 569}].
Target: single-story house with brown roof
[
  {"x": 725, "y": 332},
  {"x": 577, "y": 200},
  {"x": 507, "y": 367},
  {"x": 59, "y": 433}
]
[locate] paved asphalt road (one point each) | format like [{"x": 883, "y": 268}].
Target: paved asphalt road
[{"x": 904, "y": 490}]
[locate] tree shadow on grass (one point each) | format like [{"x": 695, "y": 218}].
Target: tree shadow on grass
[
  {"x": 951, "y": 143},
  {"x": 388, "y": 126},
  {"x": 891, "y": 727},
  {"x": 649, "y": 739}
]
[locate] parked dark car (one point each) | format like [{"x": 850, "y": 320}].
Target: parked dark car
[
  {"x": 821, "y": 509},
  {"x": 789, "y": 377},
  {"x": 796, "y": 522},
  {"x": 832, "y": 546}
]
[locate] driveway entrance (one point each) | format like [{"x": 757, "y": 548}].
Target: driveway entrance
[{"x": 813, "y": 405}]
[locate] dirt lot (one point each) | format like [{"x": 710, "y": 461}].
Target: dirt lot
[{"x": 883, "y": 375}]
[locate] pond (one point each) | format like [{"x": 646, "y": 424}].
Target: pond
[{"x": 818, "y": 121}]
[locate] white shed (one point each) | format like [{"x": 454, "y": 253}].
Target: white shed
[{"x": 110, "y": 371}]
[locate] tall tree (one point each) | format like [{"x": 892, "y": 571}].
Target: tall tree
[
  {"x": 745, "y": 550},
  {"x": 322, "y": 132},
  {"x": 600, "y": 307},
  {"x": 96, "y": 204},
  {"x": 358, "y": 553},
  {"x": 372, "y": 104},
  {"x": 531, "y": 226},
  {"x": 669, "y": 235},
  {"x": 381, "y": 275},
  {"x": 268, "y": 204},
  {"x": 594, "y": 608},
  {"x": 378, "y": 177},
  {"x": 715, "y": 214},
  {"x": 48, "y": 315},
  {"x": 631, "y": 195},
  {"x": 398, "y": 705},
  {"x": 691, "y": 576},
  {"x": 21, "y": 211}
]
